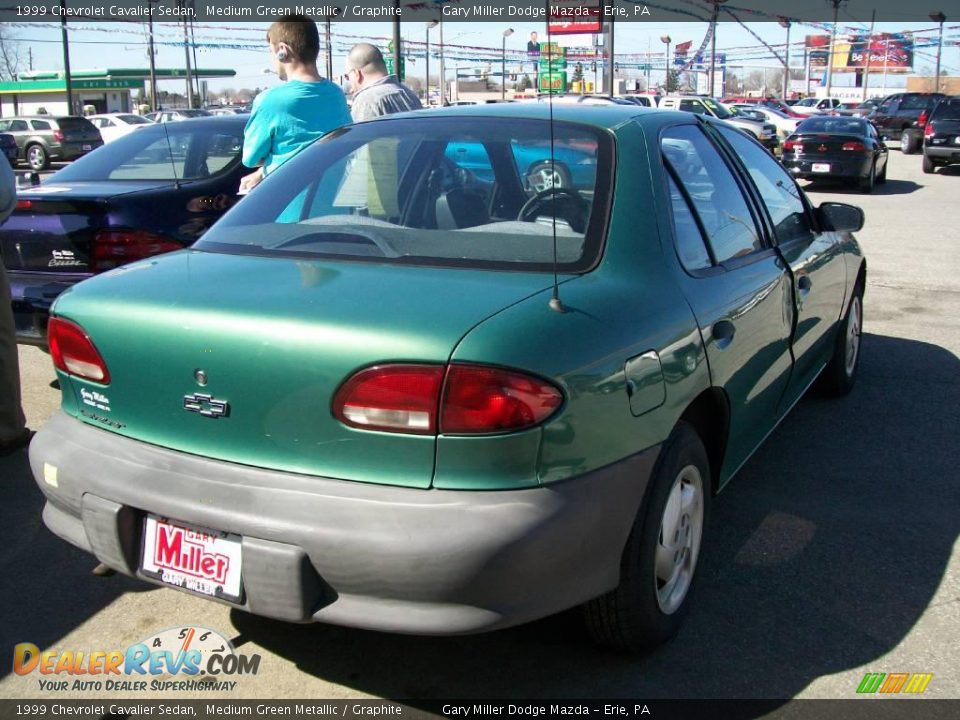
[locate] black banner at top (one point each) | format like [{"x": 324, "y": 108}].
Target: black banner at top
[{"x": 493, "y": 11}]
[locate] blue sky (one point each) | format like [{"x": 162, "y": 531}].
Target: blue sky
[{"x": 96, "y": 45}]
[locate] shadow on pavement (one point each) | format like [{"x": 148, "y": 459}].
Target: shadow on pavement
[
  {"x": 823, "y": 554},
  {"x": 890, "y": 187},
  {"x": 49, "y": 589}
]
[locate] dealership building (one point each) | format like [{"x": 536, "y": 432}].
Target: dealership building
[{"x": 106, "y": 90}]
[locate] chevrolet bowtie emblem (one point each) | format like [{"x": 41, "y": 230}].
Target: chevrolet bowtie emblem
[{"x": 206, "y": 405}]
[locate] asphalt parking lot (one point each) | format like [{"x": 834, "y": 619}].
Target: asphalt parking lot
[{"x": 832, "y": 554}]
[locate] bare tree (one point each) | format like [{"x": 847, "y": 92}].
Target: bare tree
[{"x": 11, "y": 55}]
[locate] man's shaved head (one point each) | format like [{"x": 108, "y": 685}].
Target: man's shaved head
[{"x": 366, "y": 58}]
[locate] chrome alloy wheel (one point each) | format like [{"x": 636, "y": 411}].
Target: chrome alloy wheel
[
  {"x": 853, "y": 335},
  {"x": 678, "y": 545}
]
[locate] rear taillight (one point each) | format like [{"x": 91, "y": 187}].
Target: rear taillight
[
  {"x": 113, "y": 247},
  {"x": 794, "y": 145},
  {"x": 922, "y": 119},
  {"x": 459, "y": 399},
  {"x": 58, "y": 136},
  {"x": 24, "y": 204},
  {"x": 929, "y": 131},
  {"x": 855, "y": 146},
  {"x": 74, "y": 353}
]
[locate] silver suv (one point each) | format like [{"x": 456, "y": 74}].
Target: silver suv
[{"x": 42, "y": 138}]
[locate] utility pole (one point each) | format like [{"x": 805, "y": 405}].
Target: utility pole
[
  {"x": 938, "y": 17},
  {"x": 396, "y": 40},
  {"x": 866, "y": 69},
  {"x": 329, "y": 49},
  {"x": 30, "y": 55},
  {"x": 196, "y": 66},
  {"x": 785, "y": 22},
  {"x": 833, "y": 40},
  {"x": 713, "y": 42},
  {"x": 608, "y": 48},
  {"x": 66, "y": 56},
  {"x": 186, "y": 53},
  {"x": 443, "y": 75},
  {"x": 153, "y": 62}
]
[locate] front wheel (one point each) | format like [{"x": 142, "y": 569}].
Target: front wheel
[
  {"x": 659, "y": 562},
  {"x": 840, "y": 374},
  {"x": 548, "y": 176}
]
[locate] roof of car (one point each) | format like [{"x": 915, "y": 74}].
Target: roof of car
[{"x": 603, "y": 116}]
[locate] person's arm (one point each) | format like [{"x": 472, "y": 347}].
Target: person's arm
[{"x": 257, "y": 141}]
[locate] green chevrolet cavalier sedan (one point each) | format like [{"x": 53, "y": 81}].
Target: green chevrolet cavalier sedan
[{"x": 407, "y": 385}]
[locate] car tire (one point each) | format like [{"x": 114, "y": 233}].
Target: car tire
[
  {"x": 37, "y": 158},
  {"x": 840, "y": 374},
  {"x": 869, "y": 182},
  {"x": 908, "y": 144},
  {"x": 882, "y": 177},
  {"x": 644, "y": 610},
  {"x": 928, "y": 165},
  {"x": 544, "y": 175}
]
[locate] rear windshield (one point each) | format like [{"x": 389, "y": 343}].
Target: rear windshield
[
  {"x": 434, "y": 191},
  {"x": 833, "y": 126},
  {"x": 916, "y": 102},
  {"x": 133, "y": 119},
  {"x": 948, "y": 110},
  {"x": 75, "y": 123},
  {"x": 162, "y": 152}
]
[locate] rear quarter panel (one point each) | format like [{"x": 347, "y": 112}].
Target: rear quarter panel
[{"x": 627, "y": 306}]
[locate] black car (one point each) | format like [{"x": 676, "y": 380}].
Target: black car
[
  {"x": 8, "y": 147},
  {"x": 146, "y": 193},
  {"x": 902, "y": 117},
  {"x": 941, "y": 137},
  {"x": 836, "y": 147}
]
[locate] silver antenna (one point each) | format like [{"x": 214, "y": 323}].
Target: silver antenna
[{"x": 556, "y": 304}]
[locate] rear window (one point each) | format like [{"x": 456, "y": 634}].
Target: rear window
[
  {"x": 40, "y": 124},
  {"x": 832, "y": 126},
  {"x": 133, "y": 119},
  {"x": 162, "y": 153},
  {"x": 75, "y": 124},
  {"x": 434, "y": 191},
  {"x": 916, "y": 102},
  {"x": 948, "y": 110}
]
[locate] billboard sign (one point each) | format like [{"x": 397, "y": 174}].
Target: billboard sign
[
  {"x": 885, "y": 51},
  {"x": 818, "y": 50}
]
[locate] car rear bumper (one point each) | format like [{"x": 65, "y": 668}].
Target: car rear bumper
[
  {"x": 71, "y": 151},
  {"x": 33, "y": 294},
  {"x": 943, "y": 154},
  {"x": 319, "y": 549},
  {"x": 845, "y": 167}
]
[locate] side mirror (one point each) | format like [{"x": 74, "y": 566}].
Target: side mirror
[{"x": 840, "y": 217}]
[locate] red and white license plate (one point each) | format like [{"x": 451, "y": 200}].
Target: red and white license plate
[
  {"x": 191, "y": 557},
  {"x": 821, "y": 167}
]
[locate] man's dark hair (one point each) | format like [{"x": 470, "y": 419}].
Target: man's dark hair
[{"x": 298, "y": 32}]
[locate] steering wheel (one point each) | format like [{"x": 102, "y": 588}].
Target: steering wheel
[{"x": 565, "y": 200}]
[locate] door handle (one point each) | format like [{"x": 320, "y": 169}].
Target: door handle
[
  {"x": 804, "y": 283},
  {"x": 723, "y": 332}
]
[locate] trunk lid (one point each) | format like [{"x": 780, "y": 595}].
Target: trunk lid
[
  {"x": 53, "y": 226},
  {"x": 78, "y": 130},
  {"x": 275, "y": 338},
  {"x": 820, "y": 144}
]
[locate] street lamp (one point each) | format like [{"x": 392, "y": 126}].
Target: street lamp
[
  {"x": 785, "y": 23},
  {"x": 431, "y": 24},
  {"x": 713, "y": 41},
  {"x": 503, "y": 64},
  {"x": 938, "y": 17},
  {"x": 665, "y": 39}
]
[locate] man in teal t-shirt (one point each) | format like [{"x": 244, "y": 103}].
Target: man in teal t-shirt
[{"x": 287, "y": 118}]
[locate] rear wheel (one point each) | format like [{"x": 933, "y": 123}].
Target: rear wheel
[
  {"x": 882, "y": 177},
  {"x": 37, "y": 157},
  {"x": 928, "y": 165},
  {"x": 659, "y": 562},
  {"x": 867, "y": 184},
  {"x": 840, "y": 374},
  {"x": 908, "y": 144}
]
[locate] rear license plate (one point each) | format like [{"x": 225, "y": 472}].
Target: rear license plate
[
  {"x": 87, "y": 148},
  {"x": 195, "y": 558},
  {"x": 821, "y": 167}
]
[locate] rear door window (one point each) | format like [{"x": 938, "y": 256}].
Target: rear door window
[{"x": 714, "y": 192}]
